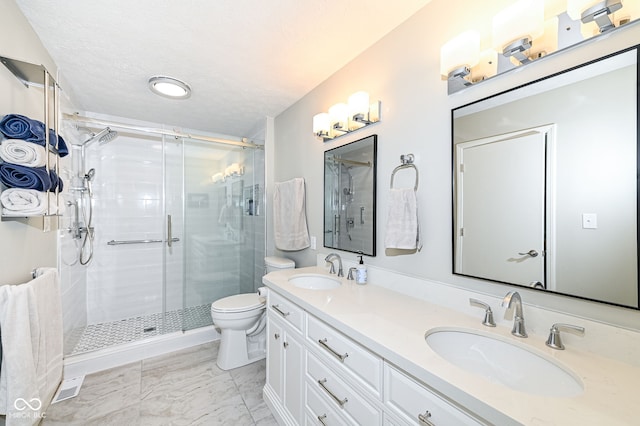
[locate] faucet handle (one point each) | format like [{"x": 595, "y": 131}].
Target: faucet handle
[
  {"x": 488, "y": 313},
  {"x": 554, "y": 342}
]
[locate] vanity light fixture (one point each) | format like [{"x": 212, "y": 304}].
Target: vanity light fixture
[
  {"x": 345, "y": 118},
  {"x": 169, "y": 87},
  {"x": 458, "y": 56},
  {"x": 528, "y": 30},
  {"x": 515, "y": 28},
  {"x": 594, "y": 11}
]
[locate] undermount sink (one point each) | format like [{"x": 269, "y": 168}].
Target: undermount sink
[
  {"x": 314, "y": 281},
  {"x": 503, "y": 362}
]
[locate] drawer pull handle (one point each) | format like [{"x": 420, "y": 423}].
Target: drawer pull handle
[
  {"x": 276, "y": 336},
  {"x": 323, "y": 343},
  {"x": 278, "y": 310},
  {"x": 338, "y": 401},
  {"x": 424, "y": 419},
  {"x": 321, "y": 419}
]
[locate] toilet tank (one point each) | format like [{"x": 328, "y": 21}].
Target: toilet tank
[{"x": 274, "y": 263}]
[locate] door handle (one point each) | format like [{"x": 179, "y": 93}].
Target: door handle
[
  {"x": 531, "y": 253},
  {"x": 169, "y": 237}
]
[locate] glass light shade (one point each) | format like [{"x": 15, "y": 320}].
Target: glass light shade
[
  {"x": 339, "y": 114},
  {"x": 462, "y": 50},
  {"x": 321, "y": 123},
  {"x": 548, "y": 42},
  {"x": 359, "y": 104},
  {"x": 487, "y": 65},
  {"x": 522, "y": 19},
  {"x": 576, "y": 7}
]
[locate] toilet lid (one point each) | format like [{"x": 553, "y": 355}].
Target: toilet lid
[{"x": 238, "y": 303}]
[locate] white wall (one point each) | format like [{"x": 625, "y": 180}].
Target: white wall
[{"x": 402, "y": 70}]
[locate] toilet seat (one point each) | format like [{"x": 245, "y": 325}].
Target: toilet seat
[{"x": 238, "y": 303}]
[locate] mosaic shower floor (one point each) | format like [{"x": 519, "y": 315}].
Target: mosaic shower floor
[{"x": 103, "y": 335}]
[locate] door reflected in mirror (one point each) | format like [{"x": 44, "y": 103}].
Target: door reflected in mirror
[
  {"x": 350, "y": 197},
  {"x": 546, "y": 183}
]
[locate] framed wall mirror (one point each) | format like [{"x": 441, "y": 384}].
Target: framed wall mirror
[
  {"x": 545, "y": 183},
  {"x": 350, "y": 197}
]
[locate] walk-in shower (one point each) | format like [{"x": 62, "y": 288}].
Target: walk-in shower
[{"x": 178, "y": 224}]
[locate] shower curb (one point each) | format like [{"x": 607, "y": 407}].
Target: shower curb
[{"x": 115, "y": 356}]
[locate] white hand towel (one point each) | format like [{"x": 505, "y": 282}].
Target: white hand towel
[
  {"x": 31, "y": 322},
  {"x": 289, "y": 215},
  {"x": 403, "y": 229},
  {"x": 26, "y": 202},
  {"x": 17, "y": 151}
]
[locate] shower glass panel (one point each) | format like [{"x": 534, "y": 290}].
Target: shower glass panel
[{"x": 219, "y": 235}]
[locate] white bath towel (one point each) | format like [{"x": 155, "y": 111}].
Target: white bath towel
[
  {"x": 27, "y": 202},
  {"x": 289, "y": 215},
  {"x": 31, "y": 324},
  {"x": 403, "y": 228},
  {"x": 17, "y": 151}
]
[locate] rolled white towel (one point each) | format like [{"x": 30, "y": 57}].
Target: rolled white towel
[
  {"x": 17, "y": 151},
  {"x": 27, "y": 202}
]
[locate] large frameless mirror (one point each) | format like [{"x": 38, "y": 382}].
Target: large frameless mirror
[
  {"x": 545, "y": 183},
  {"x": 350, "y": 197}
]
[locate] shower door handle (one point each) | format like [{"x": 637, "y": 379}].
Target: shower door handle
[{"x": 169, "y": 236}]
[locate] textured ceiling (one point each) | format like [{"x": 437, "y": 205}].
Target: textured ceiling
[{"x": 243, "y": 59}]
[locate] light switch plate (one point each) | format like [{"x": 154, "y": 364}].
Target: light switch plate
[{"x": 589, "y": 221}]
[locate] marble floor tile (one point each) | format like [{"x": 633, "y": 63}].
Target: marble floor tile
[
  {"x": 102, "y": 394},
  {"x": 185, "y": 387}
]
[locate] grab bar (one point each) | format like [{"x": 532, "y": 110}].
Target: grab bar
[{"x": 117, "y": 243}]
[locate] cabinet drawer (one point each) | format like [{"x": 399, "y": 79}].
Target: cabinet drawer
[
  {"x": 339, "y": 394},
  {"x": 318, "y": 411},
  {"x": 289, "y": 312},
  {"x": 409, "y": 399},
  {"x": 346, "y": 355}
]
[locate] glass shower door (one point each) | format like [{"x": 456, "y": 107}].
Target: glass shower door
[{"x": 218, "y": 233}]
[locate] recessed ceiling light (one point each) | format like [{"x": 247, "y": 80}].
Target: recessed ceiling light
[{"x": 169, "y": 87}]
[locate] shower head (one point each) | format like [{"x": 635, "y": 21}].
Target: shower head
[
  {"x": 108, "y": 137},
  {"x": 103, "y": 136},
  {"x": 90, "y": 174}
]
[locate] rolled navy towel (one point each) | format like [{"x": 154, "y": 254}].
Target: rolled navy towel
[
  {"x": 18, "y": 126},
  {"x": 16, "y": 176}
]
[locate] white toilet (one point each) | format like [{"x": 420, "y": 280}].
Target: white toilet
[{"x": 242, "y": 322}]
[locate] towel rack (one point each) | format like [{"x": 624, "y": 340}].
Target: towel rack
[{"x": 407, "y": 163}]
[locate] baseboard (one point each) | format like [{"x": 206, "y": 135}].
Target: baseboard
[{"x": 91, "y": 362}]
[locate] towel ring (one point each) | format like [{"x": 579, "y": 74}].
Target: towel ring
[{"x": 407, "y": 163}]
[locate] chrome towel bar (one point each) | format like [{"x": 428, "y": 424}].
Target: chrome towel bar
[{"x": 117, "y": 243}]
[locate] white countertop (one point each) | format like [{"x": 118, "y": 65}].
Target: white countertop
[{"x": 393, "y": 325}]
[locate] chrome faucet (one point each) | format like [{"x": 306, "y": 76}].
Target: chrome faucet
[
  {"x": 513, "y": 297},
  {"x": 329, "y": 259}
]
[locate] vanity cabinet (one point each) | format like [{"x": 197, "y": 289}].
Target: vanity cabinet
[
  {"x": 285, "y": 358},
  {"x": 414, "y": 403},
  {"x": 317, "y": 375}
]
